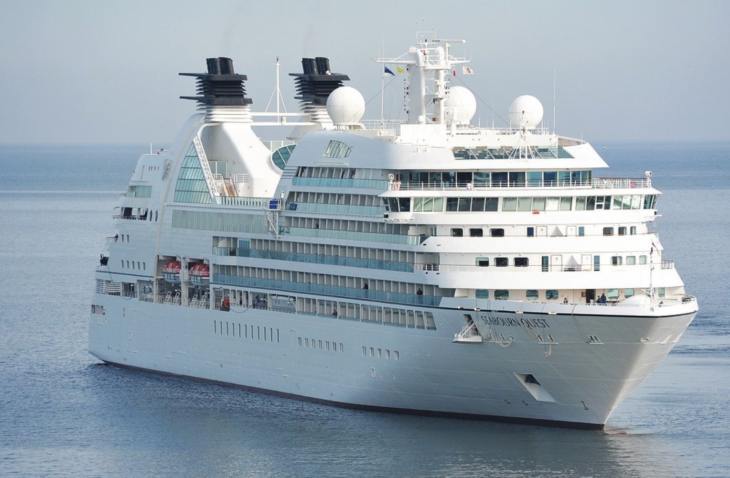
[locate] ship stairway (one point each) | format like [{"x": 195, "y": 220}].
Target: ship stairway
[
  {"x": 205, "y": 165},
  {"x": 468, "y": 335},
  {"x": 230, "y": 189},
  {"x": 272, "y": 216}
]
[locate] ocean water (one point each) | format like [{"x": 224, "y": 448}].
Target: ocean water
[{"x": 62, "y": 413}]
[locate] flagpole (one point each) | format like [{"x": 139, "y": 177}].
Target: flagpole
[{"x": 382, "y": 90}]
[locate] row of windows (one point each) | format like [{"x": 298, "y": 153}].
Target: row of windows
[
  {"x": 496, "y": 178},
  {"x": 331, "y": 198},
  {"x": 244, "y": 331},
  {"x": 525, "y": 204},
  {"x": 545, "y": 264},
  {"x": 507, "y": 152},
  {"x": 366, "y": 313},
  {"x": 501, "y": 294},
  {"x": 380, "y": 353},
  {"x": 322, "y": 345},
  {"x": 219, "y": 221},
  {"x": 345, "y": 225},
  {"x": 630, "y": 260},
  {"x": 141, "y": 266},
  {"x": 139, "y": 191},
  {"x": 374, "y": 285},
  {"x": 389, "y": 255},
  {"x": 530, "y": 230}
]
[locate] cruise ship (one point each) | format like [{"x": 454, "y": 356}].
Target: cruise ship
[{"x": 425, "y": 265}]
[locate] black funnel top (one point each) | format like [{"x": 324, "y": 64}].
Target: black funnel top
[
  {"x": 317, "y": 82},
  {"x": 220, "y": 86}
]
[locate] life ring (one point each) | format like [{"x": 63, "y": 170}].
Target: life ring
[{"x": 633, "y": 184}]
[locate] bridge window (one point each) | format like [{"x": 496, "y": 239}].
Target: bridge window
[{"x": 336, "y": 149}]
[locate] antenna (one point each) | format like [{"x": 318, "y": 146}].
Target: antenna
[
  {"x": 382, "y": 89},
  {"x": 554, "y": 81},
  {"x": 278, "y": 91}
]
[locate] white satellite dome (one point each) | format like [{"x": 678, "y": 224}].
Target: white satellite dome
[
  {"x": 460, "y": 104},
  {"x": 526, "y": 111},
  {"x": 345, "y": 105}
]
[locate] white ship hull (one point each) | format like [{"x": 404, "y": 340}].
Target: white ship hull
[{"x": 584, "y": 381}]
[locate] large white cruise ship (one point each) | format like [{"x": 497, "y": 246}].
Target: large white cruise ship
[{"x": 421, "y": 266}]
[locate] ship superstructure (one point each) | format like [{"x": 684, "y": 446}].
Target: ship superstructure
[{"x": 424, "y": 266}]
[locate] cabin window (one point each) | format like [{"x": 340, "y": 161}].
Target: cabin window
[
  {"x": 501, "y": 294},
  {"x": 596, "y": 263},
  {"x": 482, "y": 294},
  {"x": 532, "y": 294},
  {"x": 662, "y": 292},
  {"x": 552, "y": 294},
  {"x": 608, "y": 231},
  {"x": 630, "y": 260},
  {"x": 628, "y": 293},
  {"x": 545, "y": 263},
  {"x": 616, "y": 260},
  {"x": 530, "y": 232},
  {"x": 633, "y": 230},
  {"x": 612, "y": 294},
  {"x": 642, "y": 259},
  {"x": 501, "y": 261},
  {"x": 509, "y": 204},
  {"x": 622, "y": 231},
  {"x": 521, "y": 261},
  {"x": 581, "y": 231},
  {"x": 476, "y": 232},
  {"x": 457, "y": 232},
  {"x": 496, "y": 232},
  {"x": 482, "y": 261}
]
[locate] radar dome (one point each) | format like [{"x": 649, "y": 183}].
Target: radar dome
[
  {"x": 345, "y": 105},
  {"x": 460, "y": 105},
  {"x": 526, "y": 111}
]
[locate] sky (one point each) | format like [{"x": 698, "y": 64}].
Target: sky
[{"x": 101, "y": 72}]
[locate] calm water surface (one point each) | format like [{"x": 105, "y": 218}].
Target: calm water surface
[{"x": 64, "y": 414}]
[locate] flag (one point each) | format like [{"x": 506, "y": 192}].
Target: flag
[
  {"x": 399, "y": 69},
  {"x": 467, "y": 71},
  {"x": 387, "y": 71}
]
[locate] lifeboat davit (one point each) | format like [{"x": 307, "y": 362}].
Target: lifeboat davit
[
  {"x": 200, "y": 273},
  {"x": 171, "y": 271}
]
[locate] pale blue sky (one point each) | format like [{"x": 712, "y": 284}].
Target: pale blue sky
[{"x": 106, "y": 72}]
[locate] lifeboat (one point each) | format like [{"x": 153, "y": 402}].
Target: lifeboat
[
  {"x": 171, "y": 272},
  {"x": 200, "y": 273}
]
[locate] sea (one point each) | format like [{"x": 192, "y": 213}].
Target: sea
[{"x": 65, "y": 414}]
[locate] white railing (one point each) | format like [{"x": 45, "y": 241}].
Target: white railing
[{"x": 595, "y": 183}]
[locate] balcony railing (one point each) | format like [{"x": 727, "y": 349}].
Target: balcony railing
[{"x": 594, "y": 183}]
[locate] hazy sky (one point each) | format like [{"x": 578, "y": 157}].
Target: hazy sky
[{"x": 107, "y": 72}]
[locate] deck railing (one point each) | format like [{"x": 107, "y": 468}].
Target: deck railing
[{"x": 594, "y": 183}]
